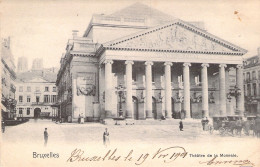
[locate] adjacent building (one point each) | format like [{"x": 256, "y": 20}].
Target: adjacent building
[
  {"x": 252, "y": 84},
  {"x": 36, "y": 93},
  {"x": 8, "y": 76},
  {"x": 139, "y": 63},
  {"x": 22, "y": 65}
]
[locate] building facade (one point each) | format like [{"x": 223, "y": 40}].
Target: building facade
[
  {"x": 252, "y": 84},
  {"x": 36, "y": 93},
  {"x": 8, "y": 76},
  {"x": 139, "y": 63}
]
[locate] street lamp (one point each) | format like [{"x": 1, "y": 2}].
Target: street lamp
[
  {"x": 120, "y": 90},
  {"x": 236, "y": 92}
]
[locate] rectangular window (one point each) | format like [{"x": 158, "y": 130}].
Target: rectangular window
[
  {"x": 248, "y": 76},
  {"x": 258, "y": 89},
  {"x": 54, "y": 89},
  {"x": 253, "y": 75},
  {"x": 46, "y": 89},
  {"x": 20, "y": 110},
  {"x": 28, "y": 111},
  {"x": 46, "y": 99},
  {"x": 20, "y": 99},
  {"x": 28, "y": 99},
  {"x": 53, "y": 98},
  {"x": 20, "y": 89},
  {"x": 249, "y": 90},
  {"x": 259, "y": 75},
  {"x": 134, "y": 76},
  {"x": 37, "y": 99},
  {"x": 254, "y": 89},
  {"x": 245, "y": 90}
]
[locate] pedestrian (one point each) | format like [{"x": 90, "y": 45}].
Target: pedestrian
[
  {"x": 45, "y": 137},
  {"x": 106, "y": 137},
  {"x": 181, "y": 125},
  {"x": 203, "y": 122},
  {"x": 3, "y": 126}
]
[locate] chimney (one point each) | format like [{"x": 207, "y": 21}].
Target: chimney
[
  {"x": 74, "y": 33},
  {"x": 258, "y": 51}
]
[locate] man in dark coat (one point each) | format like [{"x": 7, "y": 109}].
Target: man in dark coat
[
  {"x": 45, "y": 137},
  {"x": 181, "y": 125}
]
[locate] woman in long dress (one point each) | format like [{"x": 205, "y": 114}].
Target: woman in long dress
[{"x": 106, "y": 137}]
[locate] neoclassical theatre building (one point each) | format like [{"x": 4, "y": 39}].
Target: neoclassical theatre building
[{"x": 139, "y": 63}]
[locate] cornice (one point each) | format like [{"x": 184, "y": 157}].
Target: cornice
[{"x": 173, "y": 51}]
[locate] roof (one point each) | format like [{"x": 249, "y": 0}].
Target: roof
[
  {"x": 30, "y": 75},
  {"x": 139, "y": 10}
]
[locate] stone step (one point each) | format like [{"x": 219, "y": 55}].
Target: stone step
[{"x": 151, "y": 122}]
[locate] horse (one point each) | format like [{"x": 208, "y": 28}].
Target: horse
[
  {"x": 235, "y": 126},
  {"x": 247, "y": 126}
]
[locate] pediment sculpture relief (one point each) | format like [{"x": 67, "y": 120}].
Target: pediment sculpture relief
[{"x": 174, "y": 37}]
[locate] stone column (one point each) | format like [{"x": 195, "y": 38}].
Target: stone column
[
  {"x": 149, "y": 100},
  {"x": 186, "y": 78},
  {"x": 239, "y": 82},
  {"x": 204, "y": 79},
  {"x": 108, "y": 88},
  {"x": 129, "y": 102},
  {"x": 168, "y": 90},
  {"x": 222, "y": 90}
]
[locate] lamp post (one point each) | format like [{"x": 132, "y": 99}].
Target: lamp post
[
  {"x": 236, "y": 92},
  {"x": 120, "y": 90}
]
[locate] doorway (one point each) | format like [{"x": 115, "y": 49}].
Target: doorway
[
  {"x": 135, "y": 107},
  {"x": 154, "y": 109},
  {"x": 37, "y": 112}
]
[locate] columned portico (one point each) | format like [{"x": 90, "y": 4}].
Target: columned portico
[
  {"x": 148, "y": 78},
  {"x": 108, "y": 88},
  {"x": 129, "y": 103},
  {"x": 239, "y": 83},
  {"x": 186, "y": 77},
  {"x": 222, "y": 89},
  {"x": 168, "y": 90},
  {"x": 204, "y": 78}
]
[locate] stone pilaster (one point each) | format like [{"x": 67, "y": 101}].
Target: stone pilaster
[
  {"x": 222, "y": 89},
  {"x": 186, "y": 79},
  {"x": 204, "y": 79},
  {"x": 168, "y": 90},
  {"x": 239, "y": 82},
  {"x": 108, "y": 88},
  {"x": 149, "y": 100},
  {"x": 129, "y": 102}
]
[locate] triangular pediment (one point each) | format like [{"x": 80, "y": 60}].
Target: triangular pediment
[
  {"x": 37, "y": 80},
  {"x": 177, "y": 36}
]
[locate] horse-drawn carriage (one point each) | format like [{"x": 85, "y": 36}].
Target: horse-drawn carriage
[{"x": 228, "y": 125}]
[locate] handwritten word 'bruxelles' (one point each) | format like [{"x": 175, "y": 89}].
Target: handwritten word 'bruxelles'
[{"x": 166, "y": 155}]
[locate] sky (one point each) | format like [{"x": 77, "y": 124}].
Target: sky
[{"x": 41, "y": 29}]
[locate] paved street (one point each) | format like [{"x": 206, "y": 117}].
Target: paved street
[
  {"x": 19, "y": 142},
  {"x": 69, "y": 133}
]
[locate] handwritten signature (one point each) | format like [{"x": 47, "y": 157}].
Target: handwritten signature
[{"x": 213, "y": 161}]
